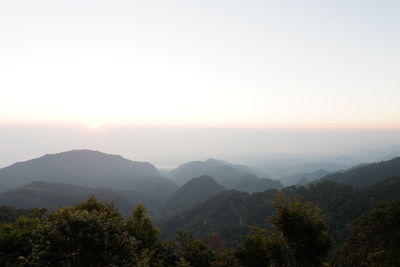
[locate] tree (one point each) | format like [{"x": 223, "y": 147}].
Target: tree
[
  {"x": 195, "y": 251},
  {"x": 226, "y": 258},
  {"x": 142, "y": 229},
  {"x": 216, "y": 241},
  {"x": 374, "y": 240},
  {"x": 90, "y": 234},
  {"x": 16, "y": 240},
  {"x": 253, "y": 252},
  {"x": 302, "y": 231},
  {"x": 300, "y": 237}
]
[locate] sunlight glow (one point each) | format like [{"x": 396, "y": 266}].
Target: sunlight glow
[{"x": 94, "y": 125}]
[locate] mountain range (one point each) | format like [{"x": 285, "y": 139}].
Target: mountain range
[
  {"x": 364, "y": 175},
  {"x": 230, "y": 176},
  {"x": 202, "y": 197},
  {"x": 88, "y": 168}
]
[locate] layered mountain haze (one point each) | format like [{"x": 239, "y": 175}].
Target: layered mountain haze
[
  {"x": 303, "y": 178},
  {"x": 285, "y": 167},
  {"x": 230, "y": 176},
  {"x": 86, "y": 168}
]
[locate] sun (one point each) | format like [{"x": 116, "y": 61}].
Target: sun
[{"x": 94, "y": 125}]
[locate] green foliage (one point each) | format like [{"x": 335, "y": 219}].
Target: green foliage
[
  {"x": 165, "y": 253},
  {"x": 90, "y": 234},
  {"x": 183, "y": 263},
  {"x": 195, "y": 251},
  {"x": 303, "y": 230},
  {"x": 300, "y": 238},
  {"x": 10, "y": 214},
  {"x": 16, "y": 240},
  {"x": 374, "y": 240},
  {"x": 253, "y": 252},
  {"x": 225, "y": 258},
  {"x": 142, "y": 229}
]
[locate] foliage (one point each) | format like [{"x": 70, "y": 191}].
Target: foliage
[
  {"x": 226, "y": 258},
  {"x": 16, "y": 240},
  {"x": 300, "y": 238},
  {"x": 374, "y": 240},
  {"x": 142, "y": 229},
  {"x": 195, "y": 251},
  {"x": 216, "y": 241},
  {"x": 254, "y": 250},
  {"x": 302, "y": 230},
  {"x": 90, "y": 234},
  {"x": 10, "y": 214}
]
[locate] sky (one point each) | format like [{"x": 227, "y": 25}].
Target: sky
[{"x": 225, "y": 64}]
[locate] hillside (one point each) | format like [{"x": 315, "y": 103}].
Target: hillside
[
  {"x": 250, "y": 183},
  {"x": 195, "y": 191},
  {"x": 230, "y": 176},
  {"x": 55, "y": 195},
  {"x": 230, "y": 213},
  {"x": 86, "y": 168},
  {"x": 280, "y": 168},
  {"x": 366, "y": 175},
  {"x": 302, "y": 178}
]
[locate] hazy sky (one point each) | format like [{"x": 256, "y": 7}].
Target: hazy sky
[
  {"x": 95, "y": 74},
  {"x": 211, "y": 63}
]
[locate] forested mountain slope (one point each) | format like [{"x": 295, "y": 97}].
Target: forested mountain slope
[
  {"x": 196, "y": 190},
  {"x": 366, "y": 175},
  {"x": 230, "y": 213}
]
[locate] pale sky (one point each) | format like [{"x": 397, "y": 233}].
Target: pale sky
[
  {"x": 172, "y": 81},
  {"x": 246, "y": 64}
]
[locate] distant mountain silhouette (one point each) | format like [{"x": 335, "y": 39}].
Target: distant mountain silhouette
[
  {"x": 284, "y": 167},
  {"x": 87, "y": 168},
  {"x": 231, "y": 176},
  {"x": 250, "y": 183},
  {"x": 365, "y": 175},
  {"x": 195, "y": 191},
  {"x": 303, "y": 178}
]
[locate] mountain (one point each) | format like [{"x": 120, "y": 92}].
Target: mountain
[
  {"x": 230, "y": 213},
  {"x": 366, "y": 175},
  {"x": 55, "y": 195},
  {"x": 195, "y": 191},
  {"x": 250, "y": 183},
  {"x": 85, "y": 168},
  {"x": 303, "y": 178},
  {"x": 230, "y": 176},
  {"x": 284, "y": 167},
  {"x": 223, "y": 173}
]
